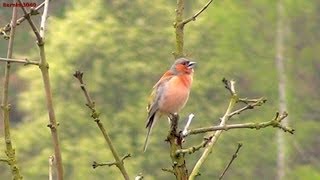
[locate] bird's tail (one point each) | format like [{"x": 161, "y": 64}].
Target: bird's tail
[{"x": 150, "y": 123}]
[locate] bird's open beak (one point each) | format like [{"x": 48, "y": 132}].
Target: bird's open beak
[{"x": 191, "y": 64}]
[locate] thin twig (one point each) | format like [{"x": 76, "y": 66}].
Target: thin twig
[
  {"x": 194, "y": 17},
  {"x": 23, "y": 61},
  {"x": 250, "y": 100},
  {"x": 195, "y": 148},
  {"x": 96, "y": 164},
  {"x": 114, "y": 163},
  {"x": 234, "y": 156},
  {"x": 253, "y": 103},
  {"x": 5, "y": 106},
  {"x": 119, "y": 162}
]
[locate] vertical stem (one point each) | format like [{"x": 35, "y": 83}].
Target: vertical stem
[
  {"x": 52, "y": 118},
  {"x": 178, "y": 160},
  {"x": 44, "y": 67},
  {"x": 10, "y": 151},
  {"x": 179, "y": 165},
  {"x": 179, "y": 26},
  {"x": 281, "y": 161}
]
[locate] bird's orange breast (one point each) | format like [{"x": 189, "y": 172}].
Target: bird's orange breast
[{"x": 176, "y": 93}]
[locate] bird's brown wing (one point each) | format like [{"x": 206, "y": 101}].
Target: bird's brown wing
[
  {"x": 156, "y": 94},
  {"x": 153, "y": 105}
]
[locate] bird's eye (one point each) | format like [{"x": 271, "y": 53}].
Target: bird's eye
[{"x": 185, "y": 62}]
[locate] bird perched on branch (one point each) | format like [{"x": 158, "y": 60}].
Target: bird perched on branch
[{"x": 170, "y": 93}]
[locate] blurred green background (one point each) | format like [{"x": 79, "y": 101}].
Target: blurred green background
[{"x": 124, "y": 46}]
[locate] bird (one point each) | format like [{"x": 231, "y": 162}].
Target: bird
[{"x": 170, "y": 94}]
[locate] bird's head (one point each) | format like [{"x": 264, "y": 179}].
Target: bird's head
[{"x": 182, "y": 65}]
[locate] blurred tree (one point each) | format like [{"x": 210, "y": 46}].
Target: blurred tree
[{"x": 282, "y": 84}]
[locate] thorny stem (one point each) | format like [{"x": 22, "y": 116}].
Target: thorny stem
[
  {"x": 119, "y": 162},
  {"x": 10, "y": 151}
]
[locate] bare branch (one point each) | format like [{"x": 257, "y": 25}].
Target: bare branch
[
  {"x": 195, "y": 148},
  {"x": 229, "y": 85},
  {"x": 33, "y": 26},
  {"x": 234, "y": 156},
  {"x": 95, "y": 164},
  {"x": 250, "y": 105},
  {"x": 278, "y": 118},
  {"x": 79, "y": 76},
  {"x": 250, "y": 100},
  {"x": 119, "y": 162},
  {"x": 194, "y": 17},
  {"x": 276, "y": 122},
  {"x": 33, "y": 11},
  {"x": 23, "y": 61}
]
